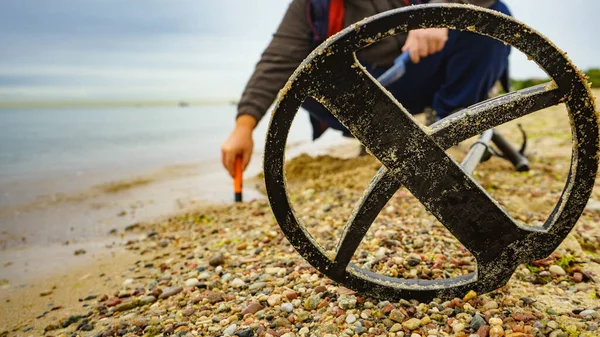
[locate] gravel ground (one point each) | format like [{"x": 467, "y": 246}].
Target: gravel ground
[{"x": 229, "y": 271}]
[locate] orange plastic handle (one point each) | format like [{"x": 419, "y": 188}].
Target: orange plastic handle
[{"x": 237, "y": 179}]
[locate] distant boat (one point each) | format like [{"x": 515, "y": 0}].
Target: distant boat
[{"x": 183, "y": 104}]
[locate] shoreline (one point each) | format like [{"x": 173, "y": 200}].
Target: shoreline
[{"x": 98, "y": 214}]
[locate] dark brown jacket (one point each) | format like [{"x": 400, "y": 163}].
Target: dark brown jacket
[{"x": 291, "y": 43}]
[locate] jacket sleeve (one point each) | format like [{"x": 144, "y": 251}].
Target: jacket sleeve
[{"x": 290, "y": 44}]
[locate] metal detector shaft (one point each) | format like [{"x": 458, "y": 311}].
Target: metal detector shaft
[
  {"x": 513, "y": 155},
  {"x": 477, "y": 152}
]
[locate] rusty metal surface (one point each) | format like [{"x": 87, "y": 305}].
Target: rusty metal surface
[{"x": 414, "y": 155}]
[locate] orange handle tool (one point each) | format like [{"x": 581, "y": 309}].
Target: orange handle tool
[{"x": 237, "y": 180}]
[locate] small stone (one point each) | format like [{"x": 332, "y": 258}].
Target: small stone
[
  {"x": 287, "y": 307},
  {"x": 127, "y": 282},
  {"x": 396, "y": 327},
  {"x": 470, "y": 295},
  {"x": 577, "y": 277},
  {"x": 397, "y": 316},
  {"x": 252, "y": 308},
  {"x": 280, "y": 321},
  {"x": 113, "y": 301},
  {"x": 189, "y": 311},
  {"x": 245, "y": 333},
  {"x": 412, "y": 324},
  {"x": 216, "y": 260},
  {"x": 312, "y": 302},
  {"x": 557, "y": 270},
  {"x": 556, "y": 333},
  {"x": 458, "y": 327},
  {"x": 496, "y": 331},
  {"x": 127, "y": 306},
  {"x": 350, "y": 319},
  {"x": 588, "y": 314},
  {"x": 477, "y": 322},
  {"x": 291, "y": 295},
  {"x": 170, "y": 292},
  {"x": 237, "y": 283},
  {"x": 229, "y": 330},
  {"x": 274, "y": 300},
  {"x": 495, "y": 321},
  {"x": 257, "y": 286},
  {"x": 418, "y": 243},
  {"x": 320, "y": 289},
  {"x": 490, "y": 305},
  {"x": 552, "y": 325},
  {"x": 413, "y": 260},
  {"x": 483, "y": 331},
  {"x": 147, "y": 300},
  {"x": 527, "y": 300},
  {"x": 360, "y": 330},
  {"x": 214, "y": 297},
  {"x": 347, "y": 302},
  {"x": 192, "y": 282}
]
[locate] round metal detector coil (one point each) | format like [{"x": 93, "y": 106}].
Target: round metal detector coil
[{"x": 414, "y": 155}]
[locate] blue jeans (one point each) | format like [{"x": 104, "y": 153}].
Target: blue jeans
[{"x": 460, "y": 75}]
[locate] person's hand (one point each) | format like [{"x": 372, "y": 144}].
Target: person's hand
[
  {"x": 421, "y": 43},
  {"x": 239, "y": 143}
]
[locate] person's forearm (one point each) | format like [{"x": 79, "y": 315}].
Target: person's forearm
[{"x": 246, "y": 122}]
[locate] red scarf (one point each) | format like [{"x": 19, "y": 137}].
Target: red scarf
[{"x": 336, "y": 17}]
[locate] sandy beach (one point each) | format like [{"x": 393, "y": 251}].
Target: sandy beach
[{"x": 197, "y": 268}]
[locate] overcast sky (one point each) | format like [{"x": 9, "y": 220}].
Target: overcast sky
[{"x": 193, "y": 49}]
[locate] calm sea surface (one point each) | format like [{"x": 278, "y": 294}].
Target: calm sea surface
[{"x": 41, "y": 145}]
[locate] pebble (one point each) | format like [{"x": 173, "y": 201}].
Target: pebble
[
  {"x": 170, "y": 292},
  {"x": 587, "y": 314},
  {"x": 495, "y": 321},
  {"x": 312, "y": 302},
  {"x": 113, "y": 301},
  {"x": 412, "y": 324},
  {"x": 287, "y": 307},
  {"x": 477, "y": 322},
  {"x": 274, "y": 300},
  {"x": 237, "y": 283},
  {"x": 557, "y": 270},
  {"x": 257, "y": 286},
  {"x": 397, "y": 316},
  {"x": 347, "y": 302},
  {"x": 252, "y": 308},
  {"x": 458, "y": 327},
  {"x": 552, "y": 325},
  {"x": 496, "y": 331},
  {"x": 490, "y": 305},
  {"x": 189, "y": 311},
  {"x": 147, "y": 300},
  {"x": 248, "y": 332},
  {"x": 192, "y": 282},
  {"x": 350, "y": 319},
  {"x": 470, "y": 295},
  {"x": 230, "y": 330},
  {"x": 556, "y": 333},
  {"x": 216, "y": 260},
  {"x": 396, "y": 327}
]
